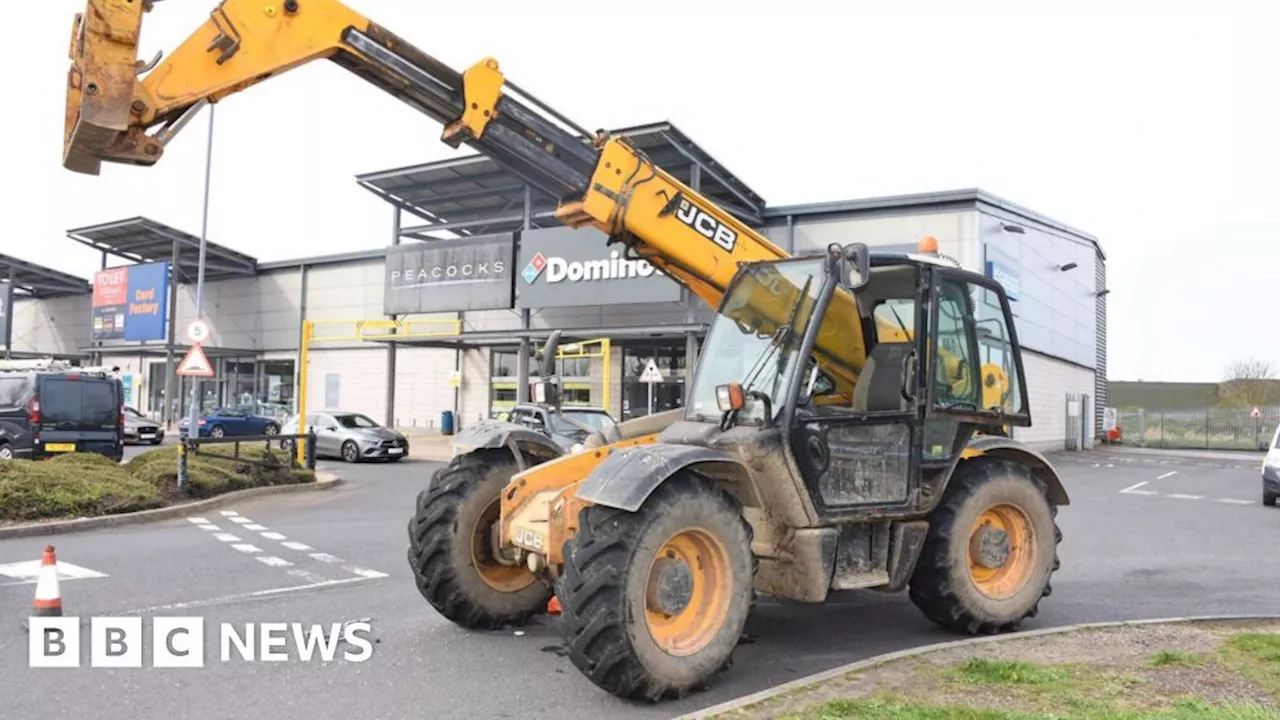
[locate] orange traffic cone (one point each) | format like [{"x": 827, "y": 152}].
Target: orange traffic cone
[
  {"x": 48, "y": 600},
  {"x": 553, "y": 606}
]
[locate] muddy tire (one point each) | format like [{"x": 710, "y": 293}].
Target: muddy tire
[
  {"x": 654, "y": 601},
  {"x": 450, "y": 552},
  {"x": 991, "y": 550}
]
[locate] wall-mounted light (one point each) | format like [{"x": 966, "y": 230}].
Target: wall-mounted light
[
  {"x": 1068, "y": 266},
  {"x": 1010, "y": 227}
]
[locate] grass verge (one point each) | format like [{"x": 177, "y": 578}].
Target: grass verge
[
  {"x": 1213, "y": 671},
  {"x": 79, "y": 485}
]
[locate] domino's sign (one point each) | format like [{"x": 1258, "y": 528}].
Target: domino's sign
[
  {"x": 564, "y": 267},
  {"x": 1006, "y": 276}
]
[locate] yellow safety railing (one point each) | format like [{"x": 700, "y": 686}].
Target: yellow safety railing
[
  {"x": 582, "y": 349},
  {"x": 359, "y": 331}
]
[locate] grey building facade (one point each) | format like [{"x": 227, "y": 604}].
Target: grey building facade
[{"x": 399, "y": 335}]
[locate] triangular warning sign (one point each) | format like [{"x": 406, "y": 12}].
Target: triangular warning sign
[
  {"x": 196, "y": 363},
  {"x": 651, "y": 373}
]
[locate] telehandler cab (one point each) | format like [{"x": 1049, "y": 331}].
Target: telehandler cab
[{"x": 849, "y": 417}]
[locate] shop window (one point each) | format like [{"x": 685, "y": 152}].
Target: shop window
[{"x": 503, "y": 364}]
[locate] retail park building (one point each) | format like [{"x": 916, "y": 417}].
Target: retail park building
[{"x": 477, "y": 270}]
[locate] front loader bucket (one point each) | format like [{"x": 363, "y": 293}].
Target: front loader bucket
[{"x": 100, "y": 85}]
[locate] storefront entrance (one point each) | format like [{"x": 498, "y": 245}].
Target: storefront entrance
[
  {"x": 266, "y": 387},
  {"x": 637, "y": 399}
]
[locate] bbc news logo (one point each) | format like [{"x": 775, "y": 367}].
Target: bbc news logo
[{"x": 180, "y": 642}]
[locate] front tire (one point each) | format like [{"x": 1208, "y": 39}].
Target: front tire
[
  {"x": 450, "y": 550},
  {"x": 654, "y": 601},
  {"x": 991, "y": 550},
  {"x": 1268, "y": 498}
]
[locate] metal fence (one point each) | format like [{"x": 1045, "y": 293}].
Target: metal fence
[{"x": 1216, "y": 428}]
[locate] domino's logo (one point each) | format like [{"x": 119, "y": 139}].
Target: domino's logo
[{"x": 535, "y": 267}]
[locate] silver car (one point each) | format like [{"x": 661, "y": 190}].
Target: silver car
[{"x": 350, "y": 436}]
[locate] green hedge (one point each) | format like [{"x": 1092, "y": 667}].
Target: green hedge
[{"x": 87, "y": 484}]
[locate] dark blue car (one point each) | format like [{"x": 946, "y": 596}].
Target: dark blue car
[{"x": 232, "y": 422}]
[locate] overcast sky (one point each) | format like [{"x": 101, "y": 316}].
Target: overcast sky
[{"x": 1154, "y": 132}]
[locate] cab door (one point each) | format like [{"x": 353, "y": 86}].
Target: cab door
[
  {"x": 863, "y": 455},
  {"x": 975, "y": 380}
]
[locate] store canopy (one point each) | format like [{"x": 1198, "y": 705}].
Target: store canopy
[
  {"x": 38, "y": 281},
  {"x": 476, "y": 195},
  {"x": 511, "y": 338},
  {"x": 142, "y": 240},
  {"x": 159, "y": 349}
]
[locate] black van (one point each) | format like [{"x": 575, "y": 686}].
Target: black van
[{"x": 48, "y": 412}]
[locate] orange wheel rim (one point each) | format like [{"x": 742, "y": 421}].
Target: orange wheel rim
[
  {"x": 687, "y": 592},
  {"x": 503, "y": 578},
  {"x": 1002, "y": 551}
]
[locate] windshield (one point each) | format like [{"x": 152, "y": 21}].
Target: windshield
[
  {"x": 355, "y": 420},
  {"x": 594, "y": 420},
  {"x": 741, "y": 344}
]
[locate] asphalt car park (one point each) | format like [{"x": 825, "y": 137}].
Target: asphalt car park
[{"x": 338, "y": 555}]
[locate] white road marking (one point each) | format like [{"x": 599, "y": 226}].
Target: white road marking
[
  {"x": 241, "y": 520},
  {"x": 1110, "y": 465},
  {"x": 198, "y": 521},
  {"x": 1133, "y": 490},
  {"x": 255, "y": 527},
  {"x": 1185, "y": 497},
  {"x": 1232, "y": 501},
  {"x": 208, "y": 527},
  {"x": 229, "y": 513},
  {"x": 273, "y": 561},
  {"x": 227, "y": 537},
  {"x": 326, "y": 558},
  {"x": 306, "y": 575},
  {"x": 296, "y": 546},
  {"x": 249, "y": 596},
  {"x": 1171, "y": 473},
  {"x": 272, "y": 535},
  {"x": 28, "y": 571},
  {"x": 371, "y": 574},
  {"x": 247, "y": 548}
]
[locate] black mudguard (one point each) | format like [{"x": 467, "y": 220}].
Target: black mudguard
[
  {"x": 627, "y": 477},
  {"x": 1010, "y": 449},
  {"x": 493, "y": 434}
]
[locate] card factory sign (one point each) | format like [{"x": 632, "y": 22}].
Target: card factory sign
[{"x": 472, "y": 273}]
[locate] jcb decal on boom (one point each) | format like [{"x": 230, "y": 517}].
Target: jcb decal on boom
[{"x": 706, "y": 225}]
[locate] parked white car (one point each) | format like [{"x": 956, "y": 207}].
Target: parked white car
[{"x": 351, "y": 436}]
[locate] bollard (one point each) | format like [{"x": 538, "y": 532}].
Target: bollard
[
  {"x": 311, "y": 450},
  {"x": 182, "y": 466}
]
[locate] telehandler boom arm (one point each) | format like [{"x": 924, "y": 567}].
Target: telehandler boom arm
[{"x": 122, "y": 110}]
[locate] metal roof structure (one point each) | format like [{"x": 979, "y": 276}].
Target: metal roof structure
[
  {"x": 476, "y": 195},
  {"x": 142, "y": 240},
  {"x": 38, "y": 281}
]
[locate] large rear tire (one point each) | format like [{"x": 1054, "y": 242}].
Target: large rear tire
[
  {"x": 991, "y": 550},
  {"x": 450, "y": 548},
  {"x": 654, "y": 601}
]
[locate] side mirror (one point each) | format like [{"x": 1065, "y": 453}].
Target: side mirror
[
  {"x": 855, "y": 265},
  {"x": 546, "y": 393}
]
